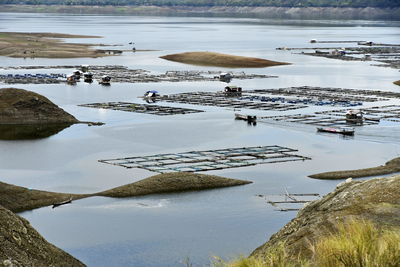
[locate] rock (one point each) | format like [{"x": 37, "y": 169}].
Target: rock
[
  {"x": 18, "y": 106},
  {"x": 376, "y": 200},
  {"x": 21, "y": 245}
]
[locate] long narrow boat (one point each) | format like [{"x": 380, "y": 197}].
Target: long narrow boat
[
  {"x": 341, "y": 130},
  {"x": 248, "y": 118}
]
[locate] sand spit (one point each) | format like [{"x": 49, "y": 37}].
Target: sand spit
[
  {"x": 17, "y": 199},
  {"x": 46, "y": 45},
  {"x": 391, "y": 166},
  {"x": 172, "y": 182},
  {"x": 221, "y": 60}
]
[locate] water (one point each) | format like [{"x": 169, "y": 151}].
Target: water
[{"x": 164, "y": 230}]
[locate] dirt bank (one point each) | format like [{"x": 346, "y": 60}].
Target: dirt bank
[
  {"x": 45, "y": 45},
  {"x": 391, "y": 166},
  {"x": 21, "y": 245},
  {"x": 172, "y": 182},
  {"x": 17, "y": 199},
  {"x": 376, "y": 200},
  {"x": 18, "y": 106},
  {"x": 221, "y": 60},
  {"x": 397, "y": 83}
]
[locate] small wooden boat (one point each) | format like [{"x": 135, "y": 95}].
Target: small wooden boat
[
  {"x": 55, "y": 205},
  {"x": 248, "y": 118},
  {"x": 341, "y": 130}
]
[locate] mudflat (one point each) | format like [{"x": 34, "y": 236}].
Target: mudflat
[{"x": 45, "y": 45}]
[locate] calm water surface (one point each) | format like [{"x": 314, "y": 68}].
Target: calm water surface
[{"x": 163, "y": 230}]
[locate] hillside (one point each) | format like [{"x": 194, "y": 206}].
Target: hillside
[{"x": 214, "y": 3}]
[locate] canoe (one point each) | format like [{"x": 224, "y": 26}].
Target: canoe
[{"x": 341, "y": 130}]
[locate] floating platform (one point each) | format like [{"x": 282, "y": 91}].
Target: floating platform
[
  {"x": 335, "y": 96},
  {"x": 207, "y": 160},
  {"x": 122, "y": 74},
  {"x": 142, "y": 108},
  {"x": 291, "y": 201},
  {"x": 337, "y": 118},
  {"x": 220, "y": 99}
]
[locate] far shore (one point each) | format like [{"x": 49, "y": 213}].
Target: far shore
[
  {"x": 392, "y": 166},
  {"x": 309, "y": 13},
  {"x": 397, "y": 83}
]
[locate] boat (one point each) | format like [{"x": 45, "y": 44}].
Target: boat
[
  {"x": 55, "y": 205},
  {"x": 151, "y": 94},
  {"x": 340, "y": 130},
  {"x": 248, "y": 118},
  {"x": 105, "y": 80}
]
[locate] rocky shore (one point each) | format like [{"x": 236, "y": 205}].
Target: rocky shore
[
  {"x": 376, "y": 200},
  {"x": 22, "y": 245}
]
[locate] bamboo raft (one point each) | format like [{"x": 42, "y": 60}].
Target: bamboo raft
[{"x": 195, "y": 161}]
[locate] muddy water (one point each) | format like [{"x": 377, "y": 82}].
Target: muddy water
[{"x": 164, "y": 230}]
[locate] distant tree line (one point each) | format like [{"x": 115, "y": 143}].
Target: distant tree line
[{"x": 210, "y": 3}]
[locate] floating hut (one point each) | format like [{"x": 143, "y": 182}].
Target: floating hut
[
  {"x": 88, "y": 77},
  {"x": 84, "y": 68},
  {"x": 105, "y": 80},
  {"x": 354, "y": 116}
]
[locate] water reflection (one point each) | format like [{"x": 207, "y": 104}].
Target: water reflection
[{"x": 29, "y": 131}]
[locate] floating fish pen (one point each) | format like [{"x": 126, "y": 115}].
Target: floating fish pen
[
  {"x": 372, "y": 114},
  {"x": 290, "y": 202},
  {"x": 53, "y": 78},
  {"x": 223, "y": 100},
  {"x": 122, "y": 74},
  {"x": 337, "y": 118},
  {"x": 338, "y": 95},
  {"x": 317, "y": 120},
  {"x": 195, "y": 161},
  {"x": 142, "y": 108}
]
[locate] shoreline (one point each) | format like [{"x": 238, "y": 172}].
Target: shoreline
[
  {"x": 307, "y": 13},
  {"x": 48, "y": 45}
]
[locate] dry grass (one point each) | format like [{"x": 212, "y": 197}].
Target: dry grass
[
  {"x": 221, "y": 60},
  {"x": 355, "y": 243},
  {"x": 44, "y": 45},
  {"x": 391, "y": 166},
  {"x": 359, "y": 244}
]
